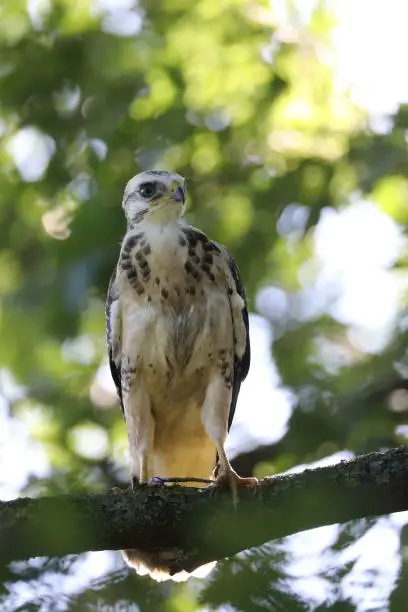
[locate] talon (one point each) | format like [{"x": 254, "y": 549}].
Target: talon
[
  {"x": 188, "y": 479},
  {"x": 231, "y": 480},
  {"x": 117, "y": 490},
  {"x": 135, "y": 483},
  {"x": 156, "y": 481}
]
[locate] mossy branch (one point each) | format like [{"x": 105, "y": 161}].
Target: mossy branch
[{"x": 202, "y": 524}]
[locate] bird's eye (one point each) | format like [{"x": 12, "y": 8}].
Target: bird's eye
[{"x": 147, "y": 190}]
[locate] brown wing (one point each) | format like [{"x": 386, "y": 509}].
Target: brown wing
[
  {"x": 113, "y": 334},
  {"x": 234, "y": 286},
  {"x": 241, "y": 361}
]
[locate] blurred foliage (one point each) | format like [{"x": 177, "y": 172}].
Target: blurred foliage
[{"x": 245, "y": 105}]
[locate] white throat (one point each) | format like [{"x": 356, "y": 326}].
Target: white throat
[{"x": 164, "y": 214}]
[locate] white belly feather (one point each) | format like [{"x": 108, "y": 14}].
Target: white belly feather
[{"x": 174, "y": 348}]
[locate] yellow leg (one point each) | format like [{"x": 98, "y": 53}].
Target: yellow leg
[
  {"x": 140, "y": 427},
  {"x": 227, "y": 477},
  {"x": 215, "y": 420},
  {"x": 143, "y": 472}
]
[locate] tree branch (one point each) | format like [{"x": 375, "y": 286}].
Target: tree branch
[{"x": 204, "y": 525}]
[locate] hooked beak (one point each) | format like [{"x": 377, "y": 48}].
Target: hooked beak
[{"x": 177, "y": 193}]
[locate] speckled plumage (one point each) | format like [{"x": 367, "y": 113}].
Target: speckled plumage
[{"x": 177, "y": 330}]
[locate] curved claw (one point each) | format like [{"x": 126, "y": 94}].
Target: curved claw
[
  {"x": 157, "y": 481},
  {"x": 117, "y": 490},
  {"x": 232, "y": 481}
]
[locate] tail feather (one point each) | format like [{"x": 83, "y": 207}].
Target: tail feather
[{"x": 158, "y": 564}]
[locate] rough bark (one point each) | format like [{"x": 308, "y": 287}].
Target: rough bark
[{"x": 203, "y": 524}]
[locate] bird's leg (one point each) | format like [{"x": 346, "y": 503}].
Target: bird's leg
[
  {"x": 215, "y": 420},
  {"x": 227, "y": 476},
  {"x": 143, "y": 466},
  {"x": 140, "y": 427}
]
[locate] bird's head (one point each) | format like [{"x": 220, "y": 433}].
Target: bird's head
[{"x": 158, "y": 194}]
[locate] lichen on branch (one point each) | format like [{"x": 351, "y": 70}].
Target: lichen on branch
[{"x": 202, "y": 523}]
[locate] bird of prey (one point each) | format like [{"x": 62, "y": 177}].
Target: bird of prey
[{"x": 178, "y": 343}]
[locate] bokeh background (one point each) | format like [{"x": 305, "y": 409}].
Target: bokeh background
[{"x": 288, "y": 120}]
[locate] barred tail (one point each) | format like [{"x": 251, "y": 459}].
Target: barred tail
[{"x": 158, "y": 565}]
